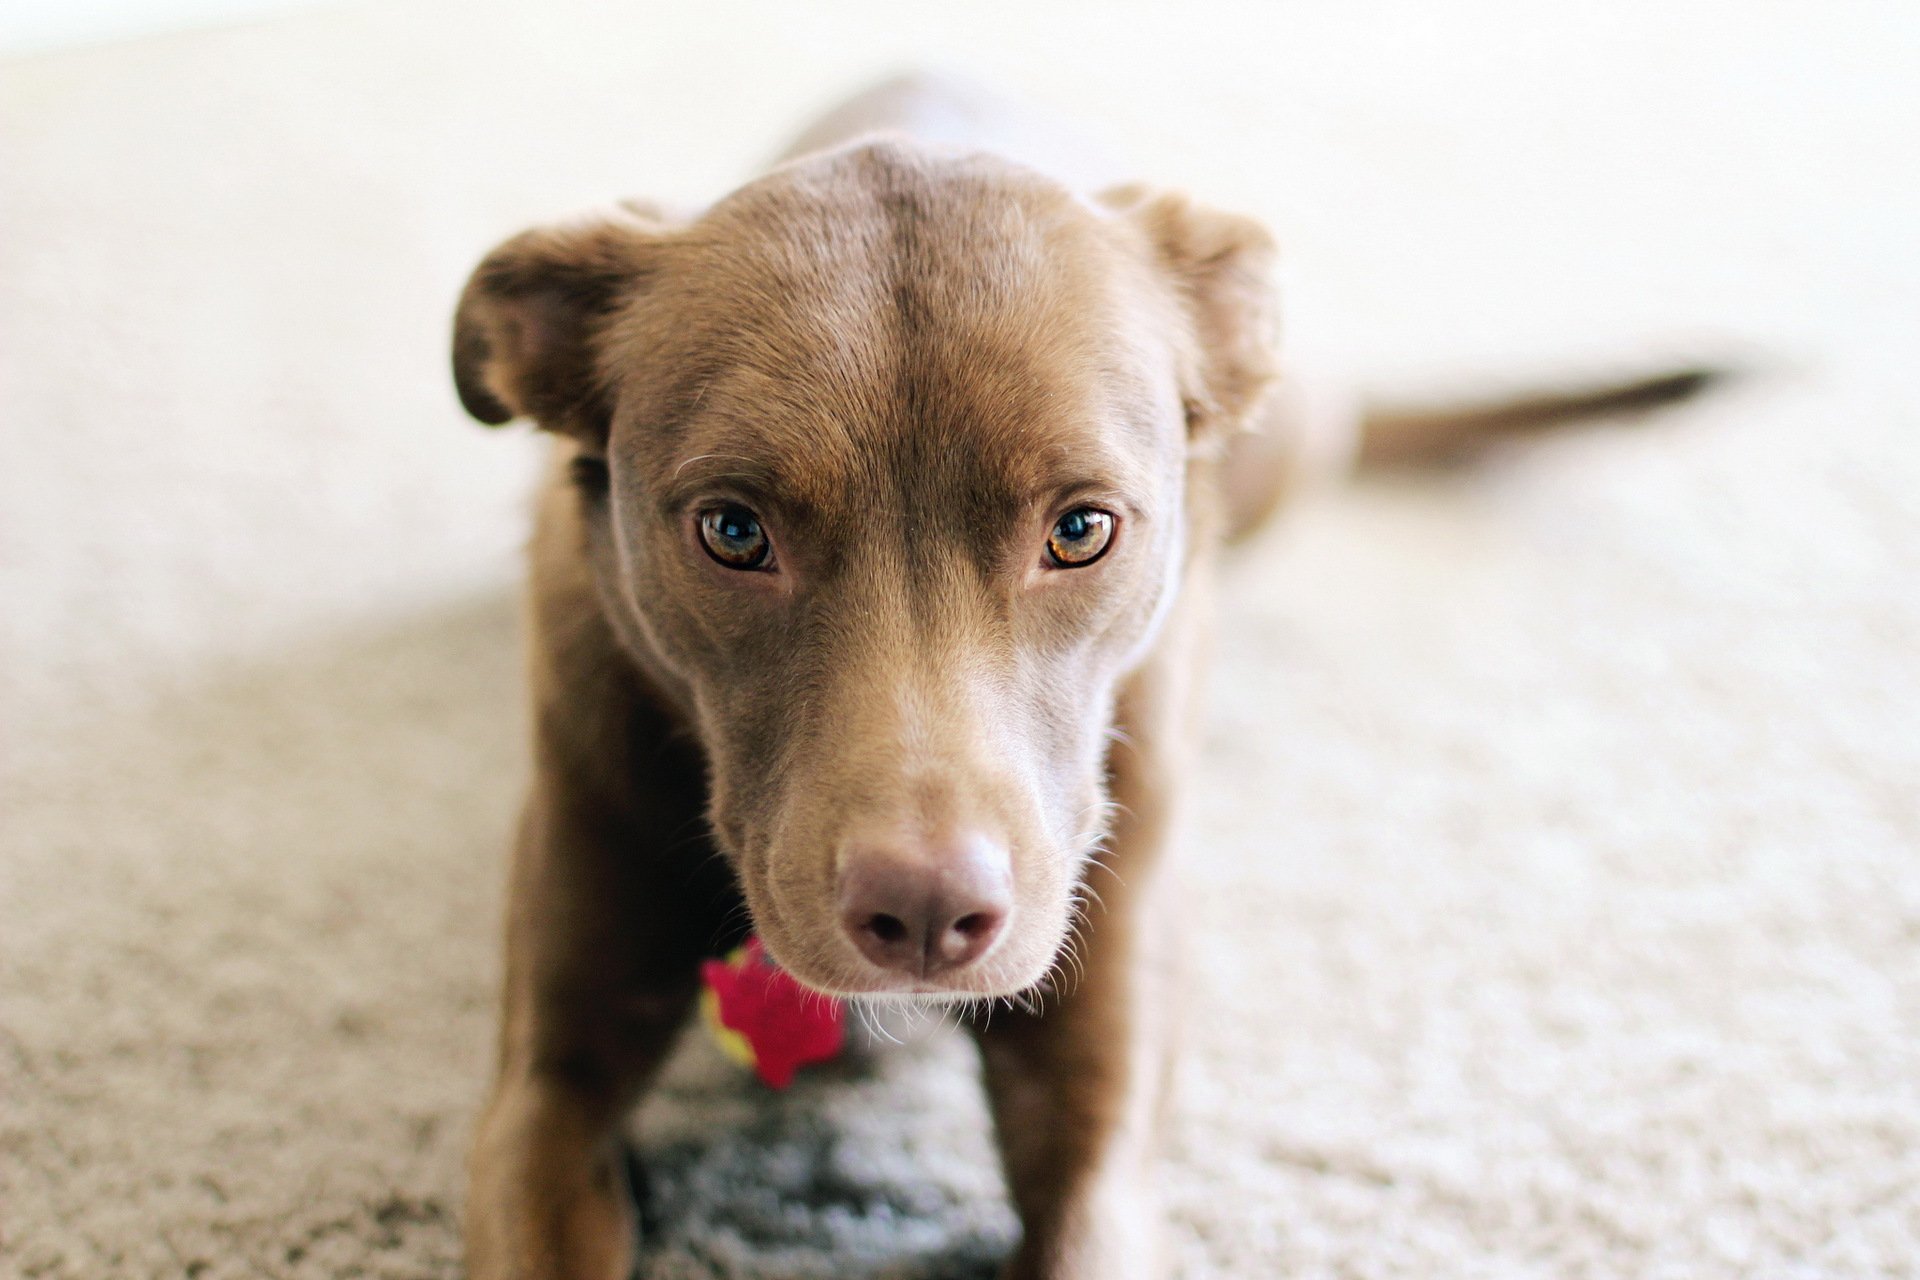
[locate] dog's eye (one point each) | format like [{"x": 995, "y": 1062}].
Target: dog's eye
[
  {"x": 732, "y": 535},
  {"x": 1079, "y": 538}
]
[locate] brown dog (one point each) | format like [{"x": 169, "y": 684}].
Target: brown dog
[{"x": 875, "y": 556}]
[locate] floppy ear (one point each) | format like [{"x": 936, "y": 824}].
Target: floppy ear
[
  {"x": 527, "y": 332},
  {"x": 1221, "y": 266}
]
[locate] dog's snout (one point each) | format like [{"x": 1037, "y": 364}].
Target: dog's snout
[{"x": 929, "y": 909}]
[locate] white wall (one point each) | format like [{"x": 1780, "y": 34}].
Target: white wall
[{"x": 37, "y": 26}]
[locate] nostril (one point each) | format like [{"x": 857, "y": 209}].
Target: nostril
[
  {"x": 887, "y": 928},
  {"x": 965, "y": 939},
  {"x": 973, "y": 926}
]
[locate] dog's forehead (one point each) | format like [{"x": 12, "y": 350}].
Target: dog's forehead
[{"x": 886, "y": 316}]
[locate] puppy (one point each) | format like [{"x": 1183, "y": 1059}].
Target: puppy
[{"x": 875, "y": 557}]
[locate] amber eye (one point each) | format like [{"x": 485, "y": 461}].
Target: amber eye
[
  {"x": 732, "y": 535},
  {"x": 1079, "y": 538}
]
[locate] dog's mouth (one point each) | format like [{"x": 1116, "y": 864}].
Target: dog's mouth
[
  {"x": 852, "y": 982},
  {"x": 936, "y": 1001}
]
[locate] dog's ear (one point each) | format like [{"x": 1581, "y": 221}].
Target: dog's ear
[
  {"x": 526, "y": 335},
  {"x": 1221, "y": 266}
]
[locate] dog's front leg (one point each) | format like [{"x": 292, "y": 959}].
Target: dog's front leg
[
  {"x": 547, "y": 1194},
  {"x": 1076, "y": 1093},
  {"x": 1078, "y": 1087},
  {"x": 603, "y": 954}
]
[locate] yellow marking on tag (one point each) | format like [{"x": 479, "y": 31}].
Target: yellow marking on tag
[{"x": 731, "y": 1042}]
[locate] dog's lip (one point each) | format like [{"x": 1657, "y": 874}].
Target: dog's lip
[
  {"x": 912, "y": 990},
  {"x": 880, "y": 986},
  {"x": 894, "y": 989}
]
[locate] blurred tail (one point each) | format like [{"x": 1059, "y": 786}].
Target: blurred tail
[{"x": 1393, "y": 436}]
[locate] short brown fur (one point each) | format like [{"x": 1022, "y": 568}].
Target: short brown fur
[{"x": 908, "y": 360}]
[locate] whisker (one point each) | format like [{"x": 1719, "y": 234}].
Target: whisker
[
  {"x": 875, "y": 1027},
  {"x": 1098, "y": 858}
]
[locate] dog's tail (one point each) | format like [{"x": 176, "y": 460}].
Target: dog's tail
[
  {"x": 1312, "y": 435},
  {"x": 1404, "y": 436}
]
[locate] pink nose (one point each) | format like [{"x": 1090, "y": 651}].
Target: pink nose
[{"x": 926, "y": 910}]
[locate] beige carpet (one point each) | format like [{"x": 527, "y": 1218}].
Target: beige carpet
[{"x": 1557, "y": 871}]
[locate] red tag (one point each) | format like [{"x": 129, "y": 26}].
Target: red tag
[{"x": 766, "y": 1020}]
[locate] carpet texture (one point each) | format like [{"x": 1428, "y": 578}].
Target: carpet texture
[{"x": 1555, "y": 872}]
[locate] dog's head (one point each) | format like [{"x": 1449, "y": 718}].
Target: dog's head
[{"x": 884, "y": 462}]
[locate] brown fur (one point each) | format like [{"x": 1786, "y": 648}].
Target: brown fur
[{"x": 908, "y": 361}]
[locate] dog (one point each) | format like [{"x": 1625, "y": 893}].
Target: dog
[{"x": 875, "y": 557}]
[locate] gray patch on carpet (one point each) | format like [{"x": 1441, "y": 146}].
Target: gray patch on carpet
[{"x": 879, "y": 1166}]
